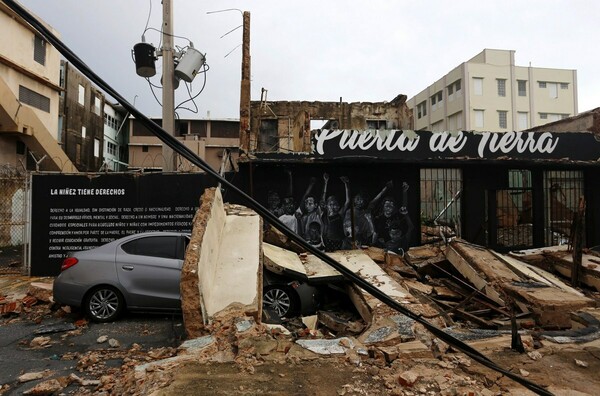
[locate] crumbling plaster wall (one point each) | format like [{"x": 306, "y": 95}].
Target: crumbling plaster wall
[
  {"x": 586, "y": 121},
  {"x": 222, "y": 271},
  {"x": 294, "y": 118}
]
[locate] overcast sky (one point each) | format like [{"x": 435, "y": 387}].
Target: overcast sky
[{"x": 323, "y": 50}]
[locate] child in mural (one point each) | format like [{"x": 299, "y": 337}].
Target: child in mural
[
  {"x": 364, "y": 229},
  {"x": 274, "y": 203},
  {"x": 315, "y": 237},
  {"x": 390, "y": 215},
  {"x": 333, "y": 218},
  {"x": 399, "y": 232},
  {"x": 289, "y": 214},
  {"x": 288, "y": 217},
  {"x": 309, "y": 211}
]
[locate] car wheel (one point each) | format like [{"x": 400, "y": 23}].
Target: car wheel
[
  {"x": 103, "y": 304},
  {"x": 280, "y": 299}
]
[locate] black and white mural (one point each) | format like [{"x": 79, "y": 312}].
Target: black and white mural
[{"x": 344, "y": 208}]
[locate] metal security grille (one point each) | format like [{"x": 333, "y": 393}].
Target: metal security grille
[
  {"x": 440, "y": 203},
  {"x": 561, "y": 198},
  {"x": 39, "y": 50},
  {"x": 34, "y": 99},
  {"x": 514, "y": 211},
  {"x": 13, "y": 193}
]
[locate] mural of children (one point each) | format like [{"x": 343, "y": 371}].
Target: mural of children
[
  {"x": 333, "y": 218},
  {"x": 309, "y": 211},
  {"x": 364, "y": 229},
  {"x": 314, "y": 236},
  {"x": 389, "y": 214},
  {"x": 289, "y": 216}
]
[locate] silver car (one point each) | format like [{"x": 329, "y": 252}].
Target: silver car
[{"x": 139, "y": 272}]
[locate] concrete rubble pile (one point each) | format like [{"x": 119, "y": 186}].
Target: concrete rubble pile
[
  {"x": 442, "y": 284},
  {"x": 475, "y": 294}
]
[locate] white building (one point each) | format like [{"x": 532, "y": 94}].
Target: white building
[
  {"x": 29, "y": 96},
  {"x": 490, "y": 93},
  {"x": 115, "y": 137}
]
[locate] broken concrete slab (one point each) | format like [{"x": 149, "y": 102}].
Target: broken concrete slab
[
  {"x": 223, "y": 264},
  {"x": 339, "y": 325},
  {"x": 283, "y": 261},
  {"x": 196, "y": 344},
  {"x": 536, "y": 273},
  {"x": 551, "y": 306},
  {"x": 328, "y": 347},
  {"x": 320, "y": 272},
  {"x": 42, "y": 291},
  {"x": 382, "y": 326},
  {"x": 560, "y": 259},
  {"x": 589, "y": 274},
  {"x": 455, "y": 257},
  {"x": 488, "y": 271}
]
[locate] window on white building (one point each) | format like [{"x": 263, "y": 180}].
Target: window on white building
[
  {"x": 81, "y": 98},
  {"x": 502, "y": 119},
  {"x": 455, "y": 122},
  {"x": 542, "y": 84},
  {"x": 564, "y": 85},
  {"x": 96, "y": 148},
  {"x": 436, "y": 100},
  {"x": 543, "y": 116},
  {"x": 453, "y": 90},
  {"x": 478, "y": 118},
  {"x": 501, "y": 86},
  {"x": 522, "y": 85},
  {"x": 522, "y": 120},
  {"x": 422, "y": 109},
  {"x": 478, "y": 86},
  {"x": 553, "y": 90}
]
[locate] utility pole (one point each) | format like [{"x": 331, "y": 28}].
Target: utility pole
[
  {"x": 168, "y": 94},
  {"x": 245, "y": 86}
]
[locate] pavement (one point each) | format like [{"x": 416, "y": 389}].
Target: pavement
[{"x": 46, "y": 337}]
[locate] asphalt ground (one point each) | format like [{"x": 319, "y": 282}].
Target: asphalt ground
[{"x": 71, "y": 338}]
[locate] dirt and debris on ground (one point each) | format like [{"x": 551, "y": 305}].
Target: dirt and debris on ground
[{"x": 324, "y": 356}]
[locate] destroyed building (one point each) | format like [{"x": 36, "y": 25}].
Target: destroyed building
[{"x": 506, "y": 191}]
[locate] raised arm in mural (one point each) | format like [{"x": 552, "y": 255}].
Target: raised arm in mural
[
  {"x": 333, "y": 218},
  {"x": 397, "y": 227},
  {"x": 289, "y": 207},
  {"x": 364, "y": 230},
  {"x": 309, "y": 210}
]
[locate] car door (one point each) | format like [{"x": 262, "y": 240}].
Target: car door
[{"x": 149, "y": 269}]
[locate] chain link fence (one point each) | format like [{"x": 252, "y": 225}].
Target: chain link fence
[{"x": 13, "y": 216}]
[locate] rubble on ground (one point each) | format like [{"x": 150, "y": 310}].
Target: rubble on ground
[{"x": 477, "y": 295}]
